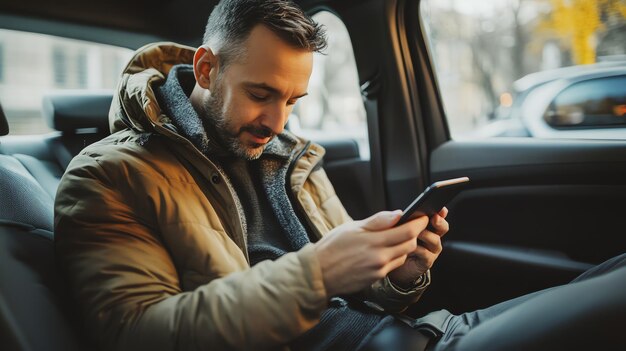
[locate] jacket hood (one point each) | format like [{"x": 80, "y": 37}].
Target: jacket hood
[{"x": 134, "y": 103}]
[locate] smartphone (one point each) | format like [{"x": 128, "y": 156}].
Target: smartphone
[{"x": 433, "y": 199}]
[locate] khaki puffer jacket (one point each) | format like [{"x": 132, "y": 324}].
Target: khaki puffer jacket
[{"x": 149, "y": 236}]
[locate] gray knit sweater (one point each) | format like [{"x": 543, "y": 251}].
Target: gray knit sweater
[{"x": 271, "y": 224}]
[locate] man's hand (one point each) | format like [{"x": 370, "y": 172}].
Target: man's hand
[
  {"x": 356, "y": 254},
  {"x": 422, "y": 259}
]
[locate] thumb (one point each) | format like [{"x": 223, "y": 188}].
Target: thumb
[{"x": 381, "y": 220}]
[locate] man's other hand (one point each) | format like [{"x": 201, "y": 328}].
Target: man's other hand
[
  {"x": 424, "y": 255},
  {"x": 356, "y": 254}
]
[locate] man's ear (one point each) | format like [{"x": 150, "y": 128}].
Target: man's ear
[{"x": 204, "y": 61}]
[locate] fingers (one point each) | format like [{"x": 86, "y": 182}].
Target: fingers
[
  {"x": 439, "y": 225},
  {"x": 392, "y": 245},
  {"x": 381, "y": 220},
  {"x": 444, "y": 212},
  {"x": 401, "y": 249},
  {"x": 397, "y": 235},
  {"x": 400, "y": 241},
  {"x": 393, "y": 264},
  {"x": 431, "y": 241},
  {"x": 423, "y": 258}
]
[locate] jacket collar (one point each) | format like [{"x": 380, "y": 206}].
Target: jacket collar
[
  {"x": 173, "y": 97},
  {"x": 134, "y": 103}
]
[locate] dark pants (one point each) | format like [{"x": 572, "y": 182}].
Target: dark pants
[{"x": 589, "y": 313}]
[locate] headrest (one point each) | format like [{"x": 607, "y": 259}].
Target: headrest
[
  {"x": 4, "y": 124},
  {"x": 71, "y": 110}
]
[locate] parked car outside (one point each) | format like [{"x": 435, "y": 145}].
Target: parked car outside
[{"x": 586, "y": 101}]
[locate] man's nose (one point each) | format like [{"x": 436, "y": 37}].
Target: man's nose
[{"x": 275, "y": 117}]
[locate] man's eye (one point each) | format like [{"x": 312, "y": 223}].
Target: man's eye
[
  {"x": 291, "y": 102},
  {"x": 257, "y": 97}
]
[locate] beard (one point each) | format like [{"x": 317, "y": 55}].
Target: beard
[{"x": 227, "y": 134}]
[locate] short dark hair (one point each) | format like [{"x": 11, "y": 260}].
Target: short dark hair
[{"x": 231, "y": 22}]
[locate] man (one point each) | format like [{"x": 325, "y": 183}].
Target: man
[{"x": 202, "y": 224}]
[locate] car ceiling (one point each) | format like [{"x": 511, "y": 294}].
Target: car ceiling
[{"x": 129, "y": 23}]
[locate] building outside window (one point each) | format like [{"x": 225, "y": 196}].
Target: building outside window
[
  {"x": 33, "y": 65},
  {"x": 59, "y": 67}
]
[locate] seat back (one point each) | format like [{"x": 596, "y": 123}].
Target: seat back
[
  {"x": 35, "y": 311},
  {"x": 80, "y": 117}
]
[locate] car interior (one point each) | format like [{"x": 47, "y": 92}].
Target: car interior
[{"x": 537, "y": 213}]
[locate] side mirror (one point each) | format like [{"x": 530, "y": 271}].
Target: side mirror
[
  {"x": 564, "y": 116},
  {"x": 576, "y": 116}
]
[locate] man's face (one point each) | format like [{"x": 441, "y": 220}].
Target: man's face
[{"x": 251, "y": 100}]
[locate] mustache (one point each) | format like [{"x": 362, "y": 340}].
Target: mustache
[{"x": 258, "y": 131}]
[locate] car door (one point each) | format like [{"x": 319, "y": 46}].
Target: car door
[{"x": 538, "y": 212}]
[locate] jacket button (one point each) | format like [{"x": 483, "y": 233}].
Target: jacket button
[{"x": 215, "y": 179}]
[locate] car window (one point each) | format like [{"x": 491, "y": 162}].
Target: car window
[
  {"x": 593, "y": 103},
  {"x": 333, "y": 108},
  {"x": 490, "y": 56},
  {"x": 32, "y": 65}
]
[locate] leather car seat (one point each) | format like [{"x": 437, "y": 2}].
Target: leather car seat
[{"x": 35, "y": 313}]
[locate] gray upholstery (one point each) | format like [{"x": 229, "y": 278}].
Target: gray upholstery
[
  {"x": 46, "y": 173},
  {"x": 81, "y": 119},
  {"x": 35, "y": 307},
  {"x": 22, "y": 199},
  {"x": 35, "y": 313}
]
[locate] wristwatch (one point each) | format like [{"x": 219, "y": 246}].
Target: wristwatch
[
  {"x": 420, "y": 283},
  {"x": 390, "y": 297}
]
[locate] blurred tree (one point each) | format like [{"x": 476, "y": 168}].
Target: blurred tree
[
  {"x": 498, "y": 54},
  {"x": 577, "y": 22},
  {"x": 521, "y": 41}
]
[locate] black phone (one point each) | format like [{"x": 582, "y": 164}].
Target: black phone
[{"x": 433, "y": 199}]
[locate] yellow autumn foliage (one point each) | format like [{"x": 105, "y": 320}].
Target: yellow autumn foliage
[{"x": 577, "y": 22}]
